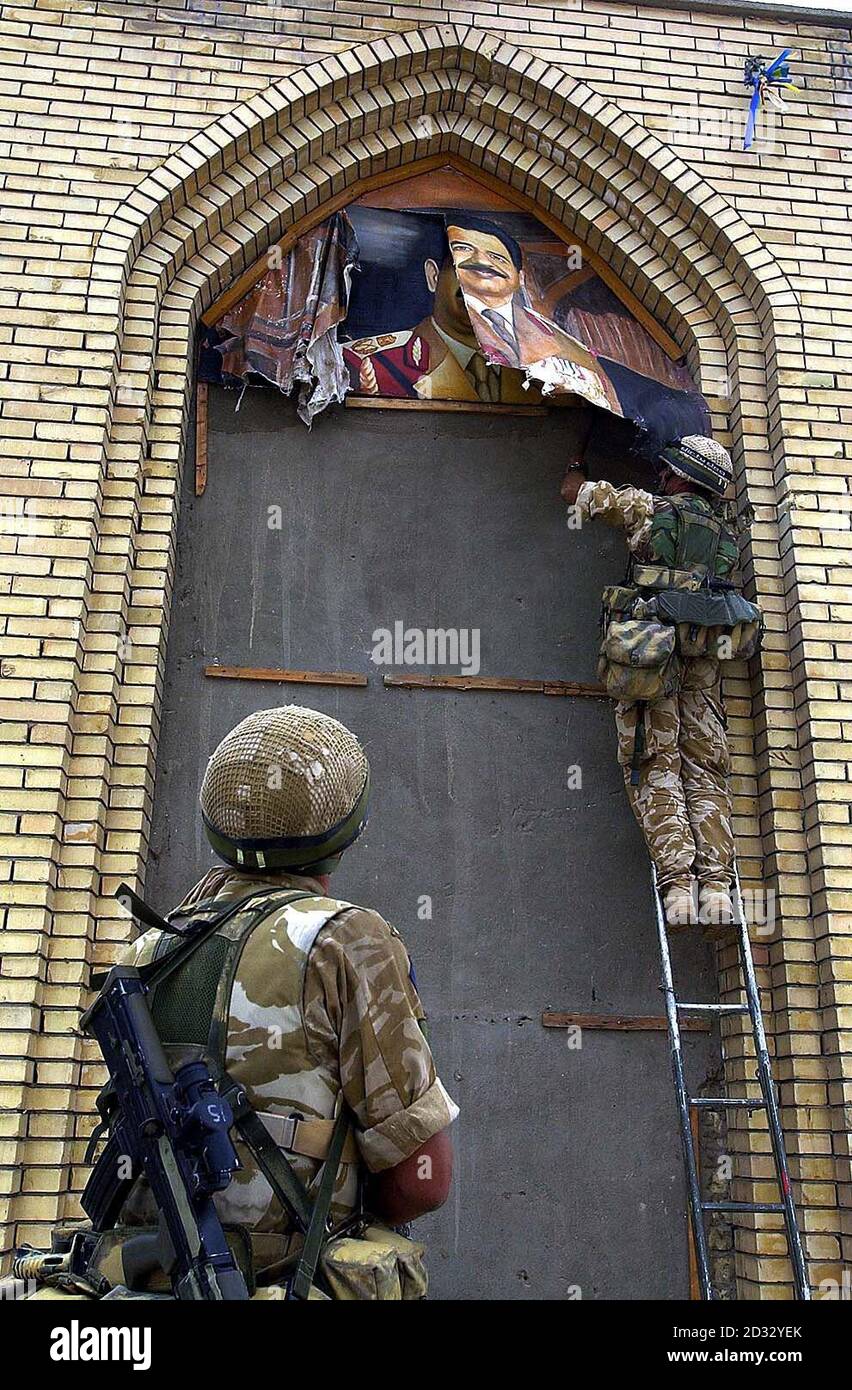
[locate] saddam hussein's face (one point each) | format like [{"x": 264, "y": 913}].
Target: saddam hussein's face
[
  {"x": 449, "y": 310},
  {"x": 485, "y": 268}
]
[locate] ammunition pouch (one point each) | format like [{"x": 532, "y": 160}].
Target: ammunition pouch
[
  {"x": 618, "y": 600},
  {"x": 377, "y": 1266},
  {"x": 722, "y": 625},
  {"x": 638, "y": 659}
]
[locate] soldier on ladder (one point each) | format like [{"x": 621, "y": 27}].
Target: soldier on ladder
[
  {"x": 666, "y": 629},
  {"x": 677, "y": 614}
]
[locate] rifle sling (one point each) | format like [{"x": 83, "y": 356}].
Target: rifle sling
[
  {"x": 317, "y": 1232},
  {"x": 272, "y": 1162},
  {"x": 157, "y": 970}
]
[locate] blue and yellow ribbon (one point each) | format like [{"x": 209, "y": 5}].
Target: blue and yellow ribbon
[{"x": 767, "y": 81}]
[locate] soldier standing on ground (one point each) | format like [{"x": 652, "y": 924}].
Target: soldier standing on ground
[
  {"x": 284, "y": 795},
  {"x": 306, "y": 1006}
]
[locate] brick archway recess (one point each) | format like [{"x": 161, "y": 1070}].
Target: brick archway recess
[{"x": 192, "y": 227}]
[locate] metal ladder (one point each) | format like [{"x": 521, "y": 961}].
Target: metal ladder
[{"x": 769, "y": 1102}]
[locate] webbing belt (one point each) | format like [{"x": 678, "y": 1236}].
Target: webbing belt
[{"x": 308, "y": 1137}]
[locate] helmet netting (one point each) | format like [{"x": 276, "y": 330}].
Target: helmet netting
[
  {"x": 709, "y": 449},
  {"x": 282, "y": 773}
]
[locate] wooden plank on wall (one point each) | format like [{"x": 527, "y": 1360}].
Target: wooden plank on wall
[
  {"x": 273, "y": 673},
  {"x": 621, "y": 1023},
  {"x": 474, "y": 407},
  {"x": 200, "y": 437},
  {"x": 498, "y": 683}
]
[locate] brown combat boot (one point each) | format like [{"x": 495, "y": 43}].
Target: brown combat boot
[
  {"x": 716, "y": 912},
  {"x": 679, "y": 907}
]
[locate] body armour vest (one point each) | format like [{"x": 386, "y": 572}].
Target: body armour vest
[
  {"x": 679, "y": 601},
  {"x": 238, "y": 1000},
  {"x": 688, "y": 535}
]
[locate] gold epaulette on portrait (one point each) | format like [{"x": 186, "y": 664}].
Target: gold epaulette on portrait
[{"x": 365, "y": 347}]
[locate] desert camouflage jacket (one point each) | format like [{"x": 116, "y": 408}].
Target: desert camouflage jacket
[
  {"x": 629, "y": 508},
  {"x": 322, "y": 1000}
]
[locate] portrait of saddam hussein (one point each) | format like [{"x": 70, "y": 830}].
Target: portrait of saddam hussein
[{"x": 481, "y": 335}]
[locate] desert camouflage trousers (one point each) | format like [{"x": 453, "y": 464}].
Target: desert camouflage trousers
[{"x": 682, "y": 800}]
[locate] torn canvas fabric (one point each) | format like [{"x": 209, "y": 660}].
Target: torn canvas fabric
[{"x": 284, "y": 331}]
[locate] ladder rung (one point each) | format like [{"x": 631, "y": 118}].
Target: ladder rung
[
  {"x": 712, "y": 1008},
  {"x": 743, "y": 1206},
  {"x": 722, "y": 1102}
]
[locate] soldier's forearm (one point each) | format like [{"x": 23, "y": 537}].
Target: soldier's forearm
[
  {"x": 418, "y": 1185},
  {"x": 629, "y": 509}
]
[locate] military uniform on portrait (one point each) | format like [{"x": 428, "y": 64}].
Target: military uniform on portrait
[{"x": 424, "y": 364}]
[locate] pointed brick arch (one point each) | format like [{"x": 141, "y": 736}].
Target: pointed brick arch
[{"x": 212, "y": 208}]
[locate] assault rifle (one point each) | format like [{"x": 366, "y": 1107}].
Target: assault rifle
[{"x": 173, "y": 1128}]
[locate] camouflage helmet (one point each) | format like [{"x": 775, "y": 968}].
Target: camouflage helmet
[
  {"x": 701, "y": 461},
  {"x": 286, "y": 789}
]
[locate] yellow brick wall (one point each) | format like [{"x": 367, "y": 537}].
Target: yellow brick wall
[{"x": 151, "y": 152}]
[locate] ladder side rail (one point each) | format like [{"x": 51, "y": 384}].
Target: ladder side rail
[
  {"x": 693, "y": 1183},
  {"x": 767, "y": 1087}
]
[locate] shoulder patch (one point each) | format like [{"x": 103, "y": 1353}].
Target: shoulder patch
[{"x": 416, "y": 353}]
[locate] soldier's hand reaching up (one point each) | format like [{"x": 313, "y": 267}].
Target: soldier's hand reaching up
[{"x": 571, "y": 484}]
